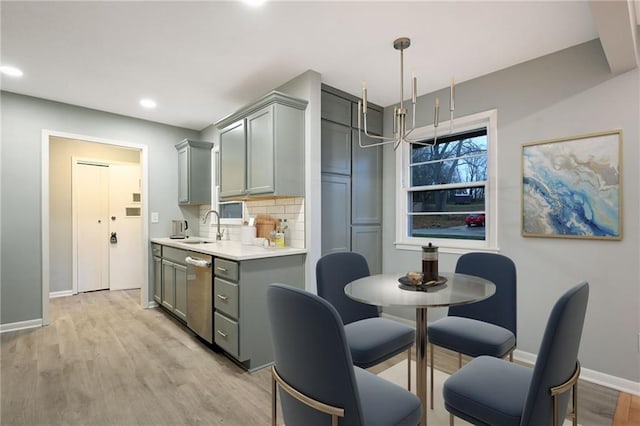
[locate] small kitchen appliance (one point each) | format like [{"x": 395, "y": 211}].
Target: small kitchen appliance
[{"x": 179, "y": 229}]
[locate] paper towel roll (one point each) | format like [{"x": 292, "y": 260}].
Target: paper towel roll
[{"x": 247, "y": 234}]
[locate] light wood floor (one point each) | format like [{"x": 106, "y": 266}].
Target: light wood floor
[{"x": 106, "y": 361}]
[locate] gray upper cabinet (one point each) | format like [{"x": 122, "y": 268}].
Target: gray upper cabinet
[
  {"x": 262, "y": 149},
  {"x": 233, "y": 177},
  {"x": 194, "y": 172},
  {"x": 261, "y": 152}
]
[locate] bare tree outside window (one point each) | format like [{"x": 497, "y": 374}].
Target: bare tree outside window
[{"x": 447, "y": 187}]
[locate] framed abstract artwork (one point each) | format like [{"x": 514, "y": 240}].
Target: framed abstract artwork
[{"x": 572, "y": 187}]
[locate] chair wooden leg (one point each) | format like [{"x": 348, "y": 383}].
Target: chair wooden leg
[
  {"x": 459, "y": 360},
  {"x": 409, "y": 369},
  {"x": 450, "y": 419},
  {"x": 431, "y": 375},
  {"x": 511, "y": 356}
]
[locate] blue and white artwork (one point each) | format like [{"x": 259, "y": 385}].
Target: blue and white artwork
[{"x": 571, "y": 187}]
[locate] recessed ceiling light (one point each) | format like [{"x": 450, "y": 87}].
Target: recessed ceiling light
[
  {"x": 10, "y": 71},
  {"x": 254, "y": 3},
  {"x": 148, "y": 103}
]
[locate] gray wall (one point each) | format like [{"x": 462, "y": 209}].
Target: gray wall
[
  {"x": 23, "y": 119},
  {"x": 61, "y": 152},
  {"x": 563, "y": 94},
  {"x": 308, "y": 86},
  {"x": 305, "y": 86}
]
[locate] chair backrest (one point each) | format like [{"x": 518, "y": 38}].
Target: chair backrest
[
  {"x": 557, "y": 356},
  {"x": 333, "y": 272},
  {"x": 501, "y": 308},
  {"x": 311, "y": 354}
]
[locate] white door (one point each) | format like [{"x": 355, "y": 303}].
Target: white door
[
  {"x": 92, "y": 209},
  {"x": 125, "y": 220}
]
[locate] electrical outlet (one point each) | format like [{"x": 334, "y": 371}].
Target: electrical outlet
[{"x": 155, "y": 217}]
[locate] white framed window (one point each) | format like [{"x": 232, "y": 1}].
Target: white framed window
[
  {"x": 231, "y": 212},
  {"x": 446, "y": 193}
]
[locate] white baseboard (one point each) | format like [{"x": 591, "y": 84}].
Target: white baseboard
[
  {"x": 63, "y": 293},
  {"x": 21, "y": 325},
  {"x": 592, "y": 376}
]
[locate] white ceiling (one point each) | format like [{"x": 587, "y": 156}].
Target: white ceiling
[{"x": 204, "y": 60}]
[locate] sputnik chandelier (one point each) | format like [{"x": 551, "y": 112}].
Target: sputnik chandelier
[{"x": 400, "y": 131}]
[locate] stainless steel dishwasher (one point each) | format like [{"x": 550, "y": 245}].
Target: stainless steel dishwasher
[{"x": 200, "y": 294}]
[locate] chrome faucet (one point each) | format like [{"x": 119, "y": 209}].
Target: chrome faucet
[{"x": 218, "y": 233}]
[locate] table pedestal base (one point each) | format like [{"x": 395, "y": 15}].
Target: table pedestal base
[{"x": 421, "y": 361}]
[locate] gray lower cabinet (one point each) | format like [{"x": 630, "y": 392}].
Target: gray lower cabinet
[
  {"x": 241, "y": 323},
  {"x": 180, "y": 308},
  {"x": 367, "y": 240},
  {"x": 157, "y": 279},
  {"x": 168, "y": 285},
  {"x": 156, "y": 252},
  {"x": 174, "y": 282}
]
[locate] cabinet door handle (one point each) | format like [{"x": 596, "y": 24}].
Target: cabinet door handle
[
  {"x": 221, "y": 269},
  {"x": 222, "y": 297},
  {"x": 221, "y": 333}
]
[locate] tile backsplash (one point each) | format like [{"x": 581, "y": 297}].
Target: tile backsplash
[{"x": 289, "y": 209}]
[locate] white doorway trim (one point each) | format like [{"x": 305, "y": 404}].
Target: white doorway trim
[{"x": 45, "y": 219}]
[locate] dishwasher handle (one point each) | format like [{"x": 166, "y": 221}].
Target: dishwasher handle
[{"x": 200, "y": 263}]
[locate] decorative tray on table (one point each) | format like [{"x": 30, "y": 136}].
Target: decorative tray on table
[{"x": 407, "y": 283}]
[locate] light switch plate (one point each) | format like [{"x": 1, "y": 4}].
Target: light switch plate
[{"x": 155, "y": 217}]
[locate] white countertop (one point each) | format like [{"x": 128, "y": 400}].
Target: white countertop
[{"x": 233, "y": 250}]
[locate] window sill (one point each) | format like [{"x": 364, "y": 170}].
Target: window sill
[{"x": 447, "y": 246}]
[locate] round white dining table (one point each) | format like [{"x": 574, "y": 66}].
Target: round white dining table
[{"x": 385, "y": 290}]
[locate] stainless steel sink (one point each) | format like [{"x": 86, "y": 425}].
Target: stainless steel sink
[{"x": 196, "y": 242}]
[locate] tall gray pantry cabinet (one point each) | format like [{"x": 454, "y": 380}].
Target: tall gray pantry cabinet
[{"x": 351, "y": 179}]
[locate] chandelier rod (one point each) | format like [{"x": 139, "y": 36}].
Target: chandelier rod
[{"x": 400, "y": 131}]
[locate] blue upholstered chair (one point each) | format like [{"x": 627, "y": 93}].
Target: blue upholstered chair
[
  {"x": 372, "y": 339},
  {"x": 483, "y": 328},
  {"x": 315, "y": 372},
  {"x": 491, "y": 391}
]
